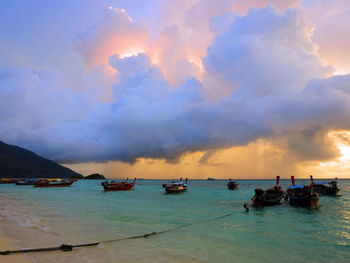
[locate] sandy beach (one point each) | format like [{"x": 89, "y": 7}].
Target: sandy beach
[
  {"x": 13, "y": 236},
  {"x": 20, "y": 231},
  {"x": 7, "y": 243}
]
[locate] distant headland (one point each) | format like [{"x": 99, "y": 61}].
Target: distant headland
[{"x": 17, "y": 162}]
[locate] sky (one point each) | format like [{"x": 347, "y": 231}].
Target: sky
[{"x": 166, "y": 89}]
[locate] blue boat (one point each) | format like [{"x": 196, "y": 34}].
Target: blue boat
[
  {"x": 30, "y": 181},
  {"x": 302, "y": 195}
]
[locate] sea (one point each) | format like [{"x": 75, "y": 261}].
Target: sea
[{"x": 216, "y": 227}]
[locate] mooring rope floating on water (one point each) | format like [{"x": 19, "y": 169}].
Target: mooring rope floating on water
[{"x": 66, "y": 248}]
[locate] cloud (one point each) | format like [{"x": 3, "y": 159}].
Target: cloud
[
  {"x": 264, "y": 51},
  {"x": 332, "y": 32},
  {"x": 37, "y": 111},
  {"x": 182, "y": 31},
  {"x": 170, "y": 52},
  {"x": 262, "y": 66},
  {"x": 115, "y": 32}
]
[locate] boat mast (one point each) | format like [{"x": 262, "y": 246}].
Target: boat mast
[{"x": 292, "y": 178}]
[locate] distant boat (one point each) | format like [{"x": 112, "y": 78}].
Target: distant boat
[
  {"x": 232, "y": 185},
  {"x": 8, "y": 181},
  {"x": 302, "y": 195},
  {"x": 53, "y": 183},
  {"x": 211, "y": 179},
  {"x": 325, "y": 188},
  {"x": 30, "y": 181},
  {"x": 118, "y": 186},
  {"x": 271, "y": 196},
  {"x": 175, "y": 187}
]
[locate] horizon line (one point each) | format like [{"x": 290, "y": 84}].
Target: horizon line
[{"x": 231, "y": 179}]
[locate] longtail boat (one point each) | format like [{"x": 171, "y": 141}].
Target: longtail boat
[
  {"x": 8, "y": 181},
  {"x": 118, "y": 186},
  {"x": 175, "y": 187},
  {"x": 30, "y": 181},
  {"x": 325, "y": 188},
  {"x": 302, "y": 195},
  {"x": 232, "y": 185},
  {"x": 53, "y": 183},
  {"x": 271, "y": 196}
]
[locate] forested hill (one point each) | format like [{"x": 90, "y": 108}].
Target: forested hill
[{"x": 16, "y": 162}]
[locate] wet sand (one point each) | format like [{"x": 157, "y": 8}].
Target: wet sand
[
  {"x": 7, "y": 243},
  {"x": 14, "y": 237}
]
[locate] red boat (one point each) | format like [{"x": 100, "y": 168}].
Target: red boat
[
  {"x": 8, "y": 181},
  {"x": 58, "y": 183},
  {"x": 118, "y": 186}
]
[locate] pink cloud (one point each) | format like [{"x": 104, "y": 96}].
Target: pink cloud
[
  {"x": 332, "y": 31},
  {"x": 116, "y": 32}
]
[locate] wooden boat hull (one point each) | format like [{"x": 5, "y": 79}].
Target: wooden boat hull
[
  {"x": 25, "y": 183},
  {"x": 54, "y": 184},
  {"x": 8, "y": 181},
  {"x": 267, "y": 198},
  {"x": 171, "y": 190},
  {"x": 124, "y": 187},
  {"x": 232, "y": 186},
  {"x": 303, "y": 197},
  {"x": 175, "y": 187},
  {"x": 326, "y": 190}
]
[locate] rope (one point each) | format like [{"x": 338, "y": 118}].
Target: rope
[{"x": 66, "y": 248}]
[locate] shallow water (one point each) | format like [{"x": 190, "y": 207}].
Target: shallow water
[{"x": 84, "y": 213}]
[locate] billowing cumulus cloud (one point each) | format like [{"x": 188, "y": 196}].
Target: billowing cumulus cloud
[
  {"x": 332, "y": 31},
  {"x": 172, "y": 55},
  {"x": 256, "y": 75},
  {"x": 36, "y": 110},
  {"x": 116, "y": 32},
  {"x": 264, "y": 52}
]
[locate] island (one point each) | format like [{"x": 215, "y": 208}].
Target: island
[{"x": 95, "y": 176}]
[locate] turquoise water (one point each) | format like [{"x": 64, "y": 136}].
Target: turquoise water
[{"x": 84, "y": 213}]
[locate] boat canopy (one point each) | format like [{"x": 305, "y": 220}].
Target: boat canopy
[
  {"x": 296, "y": 186},
  {"x": 29, "y": 180}
]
